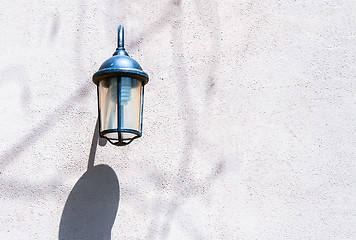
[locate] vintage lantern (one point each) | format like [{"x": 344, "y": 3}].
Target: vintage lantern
[{"x": 120, "y": 83}]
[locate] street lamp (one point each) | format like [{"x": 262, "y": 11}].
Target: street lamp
[{"x": 120, "y": 83}]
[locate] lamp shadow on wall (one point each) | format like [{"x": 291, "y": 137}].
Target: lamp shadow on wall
[{"x": 91, "y": 207}]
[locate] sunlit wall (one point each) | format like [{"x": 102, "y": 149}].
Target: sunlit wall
[{"x": 249, "y": 125}]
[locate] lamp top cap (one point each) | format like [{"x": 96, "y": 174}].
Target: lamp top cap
[{"x": 120, "y": 64}]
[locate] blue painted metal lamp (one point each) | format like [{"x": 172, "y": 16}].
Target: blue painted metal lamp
[{"x": 120, "y": 83}]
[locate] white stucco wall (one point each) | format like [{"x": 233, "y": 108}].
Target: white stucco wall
[{"x": 249, "y": 121}]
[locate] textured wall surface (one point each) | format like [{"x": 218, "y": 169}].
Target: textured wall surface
[{"x": 249, "y": 121}]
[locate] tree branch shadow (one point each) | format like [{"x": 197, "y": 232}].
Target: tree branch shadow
[{"x": 185, "y": 183}]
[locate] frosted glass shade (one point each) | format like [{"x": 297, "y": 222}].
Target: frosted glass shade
[{"x": 120, "y": 109}]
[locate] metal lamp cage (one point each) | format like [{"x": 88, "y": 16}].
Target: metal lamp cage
[{"x": 120, "y": 85}]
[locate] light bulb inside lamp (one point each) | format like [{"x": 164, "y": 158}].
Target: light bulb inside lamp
[{"x": 125, "y": 91}]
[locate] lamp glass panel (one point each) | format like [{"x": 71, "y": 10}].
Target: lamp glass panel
[
  {"x": 120, "y": 107},
  {"x": 130, "y": 107},
  {"x": 108, "y": 106}
]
